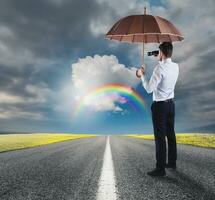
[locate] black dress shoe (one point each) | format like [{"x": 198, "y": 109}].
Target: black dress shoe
[
  {"x": 173, "y": 166},
  {"x": 157, "y": 172}
]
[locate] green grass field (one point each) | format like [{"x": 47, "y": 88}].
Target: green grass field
[
  {"x": 195, "y": 139},
  {"x": 10, "y": 142}
]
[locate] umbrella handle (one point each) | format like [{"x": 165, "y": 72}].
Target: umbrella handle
[
  {"x": 143, "y": 55},
  {"x": 142, "y": 62},
  {"x": 143, "y": 49}
]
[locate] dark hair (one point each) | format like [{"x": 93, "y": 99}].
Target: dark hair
[{"x": 166, "y": 48}]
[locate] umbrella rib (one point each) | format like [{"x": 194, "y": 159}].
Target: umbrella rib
[
  {"x": 158, "y": 24},
  {"x": 158, "y": 38},
  {"x": 147, "y": 34},
  {"x": 130, "y": 26},
  {"x": 117, "y": 25},
  {"x": 169, "y": 38},
  {"x": 133, "y": 39}
]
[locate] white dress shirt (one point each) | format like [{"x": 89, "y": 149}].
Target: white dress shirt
[{"x": 163, "y": 80}]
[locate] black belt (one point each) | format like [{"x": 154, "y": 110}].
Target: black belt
[{"x": 167, "y": 100}]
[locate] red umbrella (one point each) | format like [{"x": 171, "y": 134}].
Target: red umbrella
[{"x": 144, "y": 29}]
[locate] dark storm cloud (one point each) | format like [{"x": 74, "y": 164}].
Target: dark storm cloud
[
  {"x": 46, "y": 28},
  {"x": 51, "y": 30}
]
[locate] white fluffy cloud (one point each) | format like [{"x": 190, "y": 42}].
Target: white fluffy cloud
[{"x": 91, "y": 72}]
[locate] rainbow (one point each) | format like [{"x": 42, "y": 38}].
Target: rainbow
[{"x": 128, "y": 96}]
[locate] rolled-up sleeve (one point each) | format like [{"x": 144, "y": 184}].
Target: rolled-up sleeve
[{"x": 154, "y": 80}]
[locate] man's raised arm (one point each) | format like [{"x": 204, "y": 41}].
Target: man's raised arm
[{"x": 154, "y": 80}]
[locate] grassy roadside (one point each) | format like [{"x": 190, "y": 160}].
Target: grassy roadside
[
  {"x": 10, "y": 142},
  {"x": 195, "y": 139}
]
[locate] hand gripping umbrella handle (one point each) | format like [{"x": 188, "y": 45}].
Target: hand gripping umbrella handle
[{"x": 142, "y": 62}]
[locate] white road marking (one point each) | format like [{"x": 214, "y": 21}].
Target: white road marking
[{"x": 106, "y": 187}]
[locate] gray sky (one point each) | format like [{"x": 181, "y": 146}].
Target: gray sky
[{"x": 50, "y": 50}]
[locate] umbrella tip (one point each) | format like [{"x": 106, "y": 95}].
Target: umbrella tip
[{"x": 144, "y": 10}]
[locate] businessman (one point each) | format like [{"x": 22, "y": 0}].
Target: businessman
[{"x": 162, "y": 84}]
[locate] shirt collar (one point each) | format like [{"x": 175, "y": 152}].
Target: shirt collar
[{"x": 166, "y": 60}]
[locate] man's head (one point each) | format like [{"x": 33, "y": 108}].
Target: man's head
[{"x": 166, "y": 50}]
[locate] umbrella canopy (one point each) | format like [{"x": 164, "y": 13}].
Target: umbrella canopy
[{"x": 144, "y": 29}]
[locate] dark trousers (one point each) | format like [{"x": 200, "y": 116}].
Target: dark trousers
[{"x": 163, "y": 116}]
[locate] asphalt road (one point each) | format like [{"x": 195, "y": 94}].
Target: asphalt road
[{"x": 104, "y": 167}]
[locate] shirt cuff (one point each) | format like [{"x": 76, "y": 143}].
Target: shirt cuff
[{"x": 143, "y": 77}]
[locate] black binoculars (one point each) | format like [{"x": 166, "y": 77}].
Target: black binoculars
[{"x": 153, "y": 53}]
